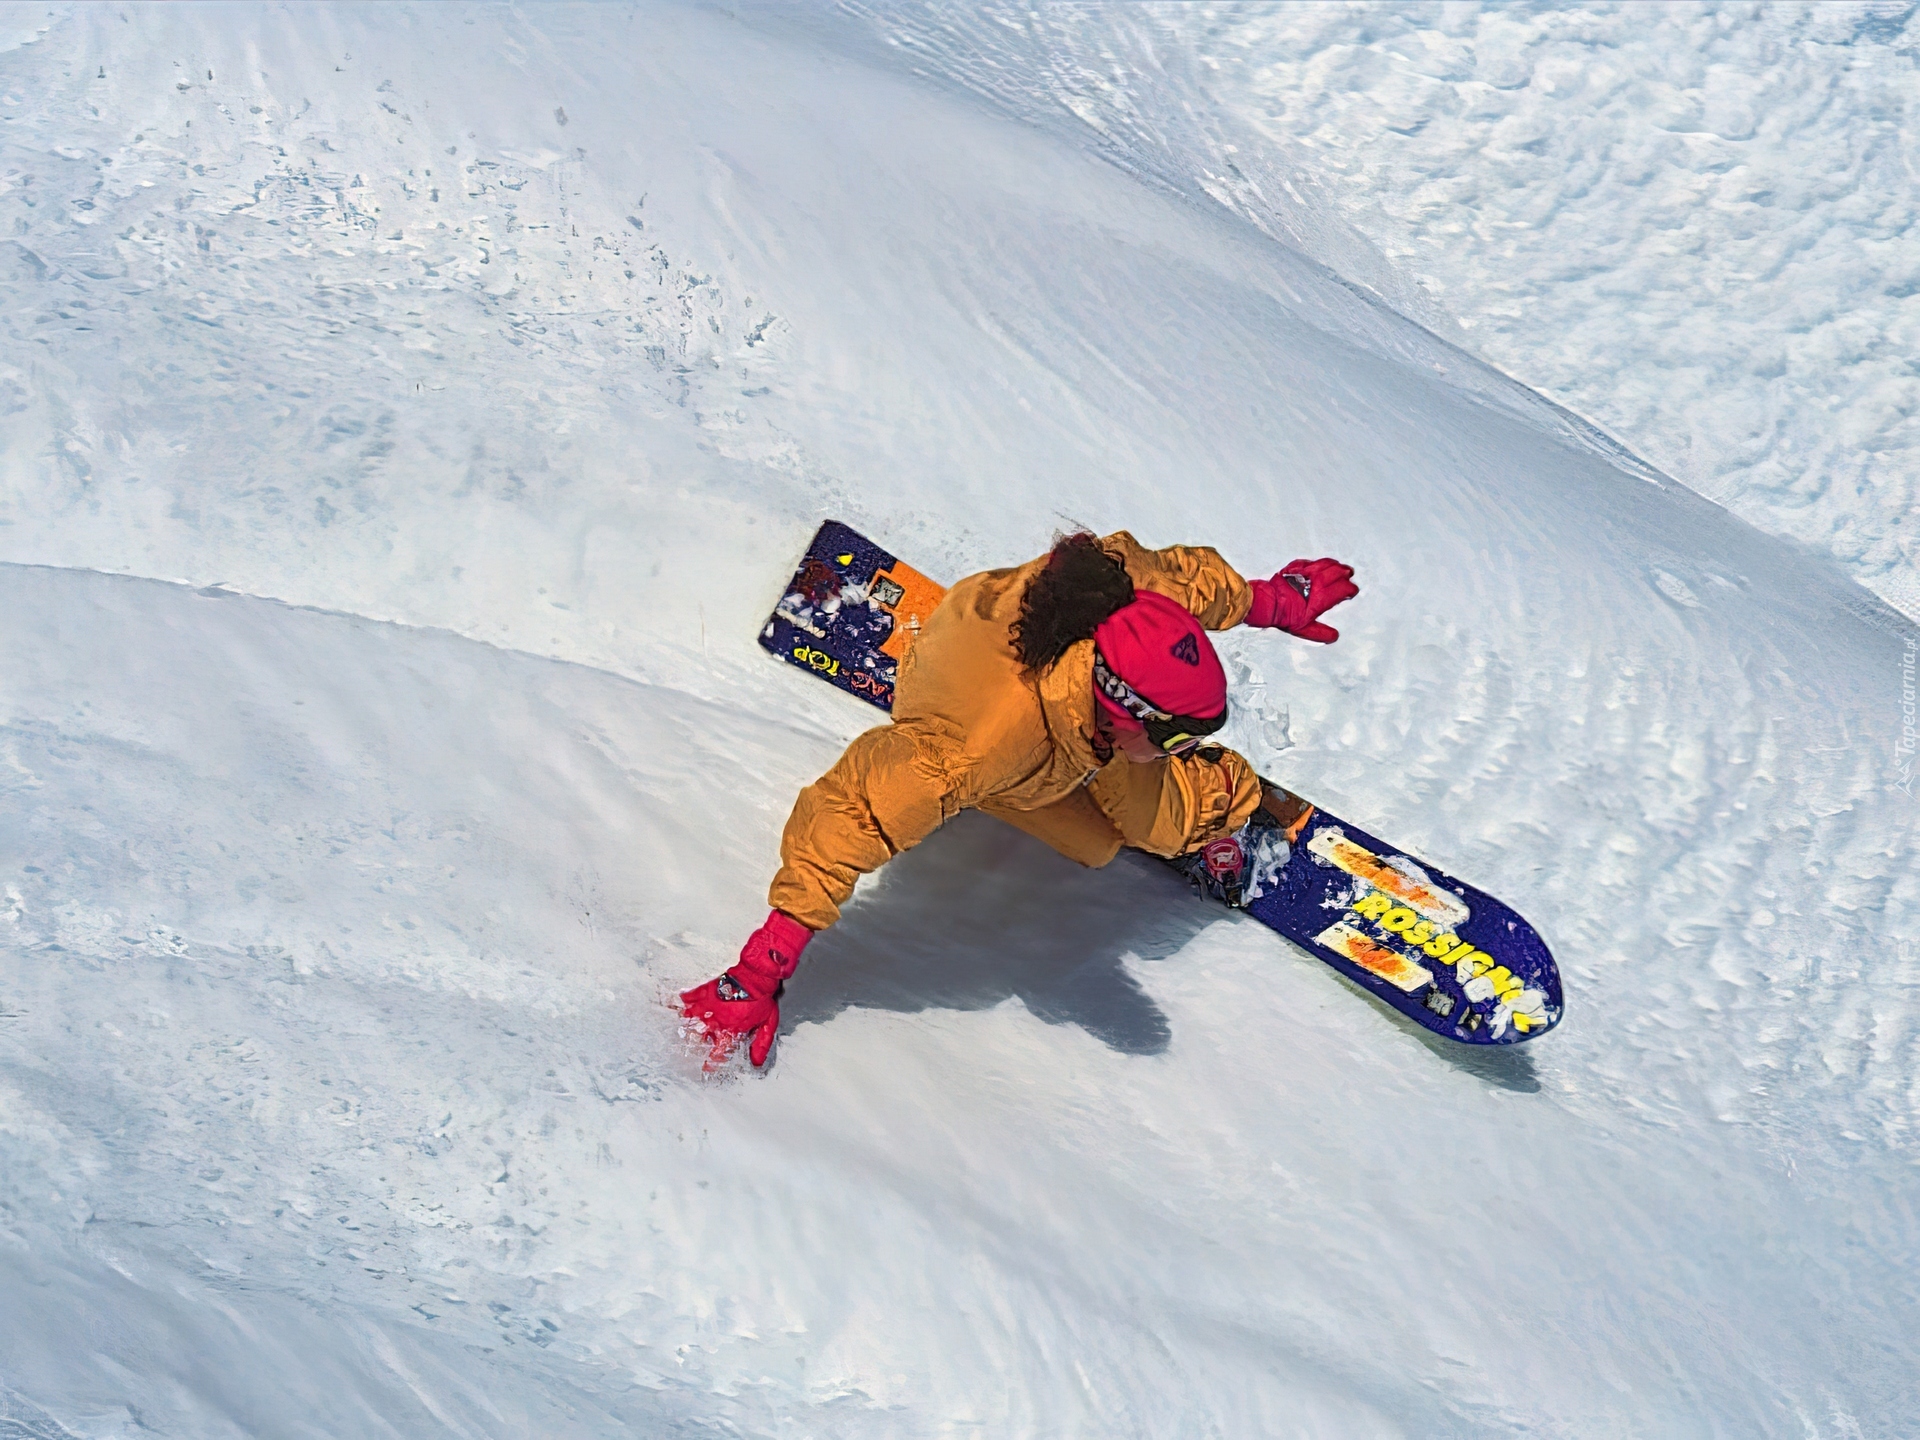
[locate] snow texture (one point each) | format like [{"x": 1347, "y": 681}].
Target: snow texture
[
  {"x": 1693, "y": 224},
  {"x": 411, "y": 412}
]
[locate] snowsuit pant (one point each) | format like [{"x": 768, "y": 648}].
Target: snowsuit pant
[{"x": 1165, "y": 808}]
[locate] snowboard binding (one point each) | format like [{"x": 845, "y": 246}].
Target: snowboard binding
[{"x": 1238, "y": 869}]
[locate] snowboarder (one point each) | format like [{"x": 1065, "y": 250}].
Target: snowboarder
[{"x": 1023, "y": 689}]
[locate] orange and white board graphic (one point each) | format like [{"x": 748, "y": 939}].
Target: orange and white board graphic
[
  {"x": 1390, "y": 965},
  {"x": 1436, "y": 905}
]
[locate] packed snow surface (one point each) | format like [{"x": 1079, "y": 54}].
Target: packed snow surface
[
  {"x": 410, "y": 415},
  {"x": 1693, "y": 223}
]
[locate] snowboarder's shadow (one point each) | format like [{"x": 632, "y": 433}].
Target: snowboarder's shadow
[{"x": 979, "y": 913}]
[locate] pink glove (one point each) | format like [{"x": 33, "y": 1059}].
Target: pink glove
[
  {"x": 745, "y": 998},
  {"x": 1296, "y": 598}
]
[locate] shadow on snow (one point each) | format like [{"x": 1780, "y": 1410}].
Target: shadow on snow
[{"x": 980, "y": 913}]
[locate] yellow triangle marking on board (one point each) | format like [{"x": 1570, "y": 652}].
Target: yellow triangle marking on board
[{"x": 846, "y": 559}]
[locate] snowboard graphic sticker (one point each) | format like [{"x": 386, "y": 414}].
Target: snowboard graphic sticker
[
  {"x": 1446, "y": 955},
  {"x": 850, "y": 613}
]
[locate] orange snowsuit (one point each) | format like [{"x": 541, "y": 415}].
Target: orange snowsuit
[{"x": 973, "y": 730}]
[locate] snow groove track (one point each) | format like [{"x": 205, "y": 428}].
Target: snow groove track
[
  {"x": 352, "y": 969},
  {"x": 333, "y": 940}
]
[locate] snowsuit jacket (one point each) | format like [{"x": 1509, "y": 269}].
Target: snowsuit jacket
[{"x": 972, "y": 729}]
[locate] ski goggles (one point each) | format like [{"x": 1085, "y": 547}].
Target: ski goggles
[{"x": 1176, "y": 734}]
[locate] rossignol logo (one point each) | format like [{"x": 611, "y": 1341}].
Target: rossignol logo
[{"x": 1404, "y": 923}]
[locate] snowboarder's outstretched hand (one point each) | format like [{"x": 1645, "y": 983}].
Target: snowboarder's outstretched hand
[
  {"x": 745, "y": 1000},
  {"x": 1296, "y": 598}
]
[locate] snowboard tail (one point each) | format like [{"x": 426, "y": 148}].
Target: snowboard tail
[
  {"x": 1448, "y": 956},
  {"x": 850, "y": 613}
]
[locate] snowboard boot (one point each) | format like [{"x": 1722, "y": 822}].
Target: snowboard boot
[
  {"x": 1288, "y": 810},
  {"x": 1238, "y": 869}
]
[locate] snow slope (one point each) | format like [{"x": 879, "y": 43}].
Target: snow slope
[
  {"x": 410, "y": 412},
  {"x": 1690, "y": 222}
]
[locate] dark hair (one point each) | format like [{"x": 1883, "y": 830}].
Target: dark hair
[{"x": 1080, "y": 586}]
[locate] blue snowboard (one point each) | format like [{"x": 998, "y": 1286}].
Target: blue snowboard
[{"x": 1436, "y": 949}]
